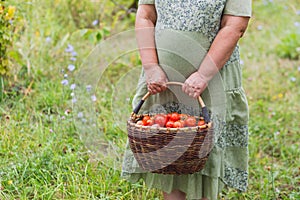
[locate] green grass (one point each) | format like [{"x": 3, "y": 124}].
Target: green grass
[{"x": 44, "y": 152}]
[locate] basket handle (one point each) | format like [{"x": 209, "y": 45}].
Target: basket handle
[{"x": 200, "y": 100}]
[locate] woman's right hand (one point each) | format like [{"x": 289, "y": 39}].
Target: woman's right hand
[{"x": 156, "y": 79}]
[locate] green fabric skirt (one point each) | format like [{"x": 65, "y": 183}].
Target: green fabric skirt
[
  {"x": 180, "y": 54},
  {"x": 188, "y": 184}
]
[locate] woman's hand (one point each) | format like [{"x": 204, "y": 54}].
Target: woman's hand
[
  {"x": 194, "y": 85},
  {"x": 156, "y": 79}
]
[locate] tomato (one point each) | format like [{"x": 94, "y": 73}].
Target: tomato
[
  {"x": 178, "y": 124},
  {"x": 183, "y": 116},
  {"x": 201, "y": 122},
  {"x": 145, "y": 119},
  {"x": 149, "y": 122},
  {"x": 140, "y": 122},
  {"x": 169, "y": 124},
  {"x": 174, "y": 117},
  {"x": 160, "y": 119},
  {"x": 168, "y": 116},
  {"x": 190, "y": 121}
]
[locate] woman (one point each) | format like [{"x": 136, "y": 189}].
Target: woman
[{"x": 194, "y": 42}]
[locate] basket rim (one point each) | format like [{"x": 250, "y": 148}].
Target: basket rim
[{"x": 193, "y": 128}]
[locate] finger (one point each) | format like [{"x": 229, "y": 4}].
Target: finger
[
  {"x": 192, "y": 90},
  {"x": 159, "y": 87},
  {"x": 150, "y": 89},
  {"x": 196, "y": 94},
  {"x": 154, "y": 88},
  {"x": 191, "y": 94},
  {"x": 185, "y": 88},
  {"x": 163, "y": 87},
  {"x": 164, "y": 83},
  {"x": 153, "y": 91}
]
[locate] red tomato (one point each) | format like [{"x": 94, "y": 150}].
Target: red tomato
[
  {"x": 201, "y": 122},
  {"x": 149, "y": 122},
  {"x": 168, "y": 116},
  {"x": 183, "y": 116},
  {"x": 190, "y": 121},
  {"x": 174, "y": 117},
  {"x": 140, "y": 122},
  {"x": 178, "y": 124},
  {"x": 170, "y": 124},
  {"x": 160, "y": 119},
  {"x": 145, "y": 119},
  {"x": 182, "y": 122}
]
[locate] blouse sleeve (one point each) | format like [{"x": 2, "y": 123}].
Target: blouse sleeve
[
  {"x": 146, "y": 1},
  {"x": 238, "y": 7}
]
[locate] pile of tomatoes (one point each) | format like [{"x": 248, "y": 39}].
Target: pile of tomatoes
[{"x": 171, "y": 120}]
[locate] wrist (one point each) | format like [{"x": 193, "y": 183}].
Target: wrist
[
  {"x": 150, "y": 66},
  {"x": 203, "y": 77}
]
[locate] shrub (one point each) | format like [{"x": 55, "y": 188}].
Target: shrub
[
  {"x": 6, "y": 28},
  {"x": 289, "y": 47}
]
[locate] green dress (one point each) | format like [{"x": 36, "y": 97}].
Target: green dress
[{"x": 184, "y": 32}]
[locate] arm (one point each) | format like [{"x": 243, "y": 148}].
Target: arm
[
  {"x": 144, "y": 27},
  {"x": 232, "y": 29}
]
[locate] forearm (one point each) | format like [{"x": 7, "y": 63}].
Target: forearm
[
  {"x": 221, "y": 49},
  {"x": 144, "y": 28},
  {"x": 218, "y": 54}
]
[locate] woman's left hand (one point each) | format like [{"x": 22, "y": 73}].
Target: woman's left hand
[{"x": 194, "y": 85}]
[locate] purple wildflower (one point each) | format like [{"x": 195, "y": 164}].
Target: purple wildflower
[
  {"x": 65, "y": 82},
  {"x": 259, "y": 27},
  {"x": 95, "y": 22},
  {"x": 94, "y": 98},
  {"x": 74, "y": 100},
  {"x": 88, "y": 88},
  {"x": 80, "y": 115},
  {"x": 71, "y": 67},
  {"x": 74, "y": 53},
  {"x": 73, "y": 86},
  {"x": 48, "y": 39},
  {"x": 69, "y": 49},
  {"x": 293, "y": 79},
  {"x": 73, "y": 58}
]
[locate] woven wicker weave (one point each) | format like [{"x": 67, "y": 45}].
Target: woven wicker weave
[{"x": 170, "y": 150}]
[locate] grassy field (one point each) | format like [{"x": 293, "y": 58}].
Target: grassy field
[{"x": 64, "y": 141}]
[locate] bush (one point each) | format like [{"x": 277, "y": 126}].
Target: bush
[
  {"x": 289, "y": 47},
  {"x": 6, "y": 29}
]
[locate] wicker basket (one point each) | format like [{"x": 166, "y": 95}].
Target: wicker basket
[{"x": 170, "y": 150}]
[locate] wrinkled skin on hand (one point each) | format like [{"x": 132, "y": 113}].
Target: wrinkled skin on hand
[
  {"x": 194, "y": 85},
  {"x": 156, "y": 79}
]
